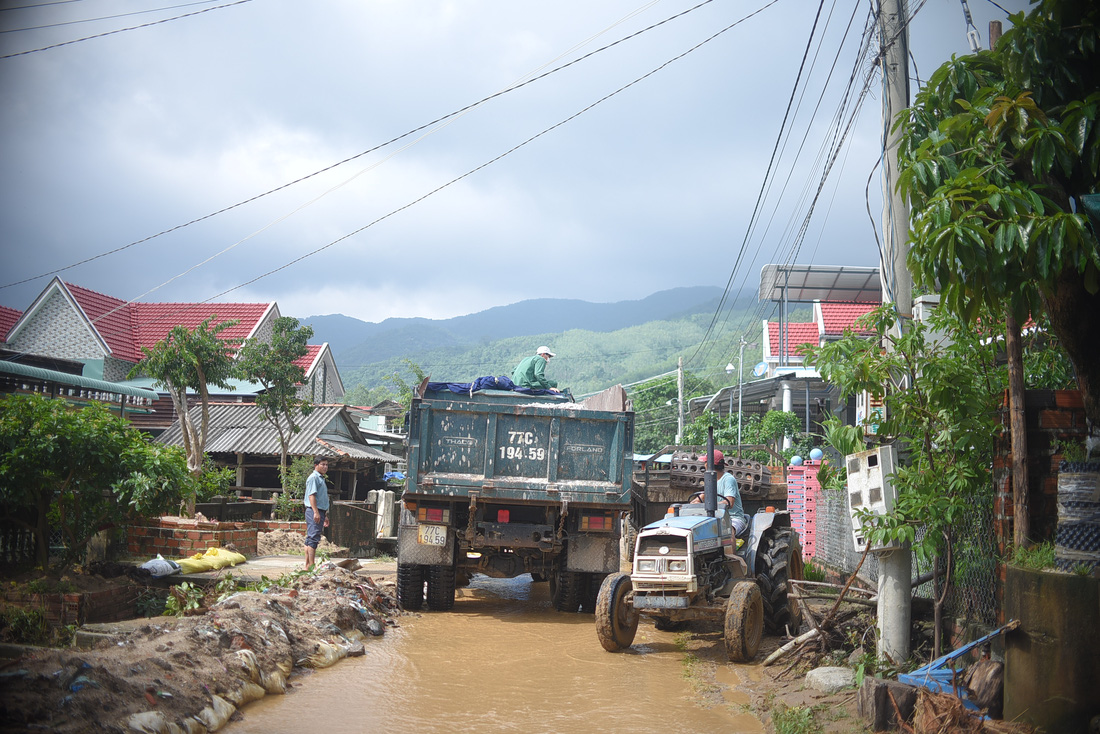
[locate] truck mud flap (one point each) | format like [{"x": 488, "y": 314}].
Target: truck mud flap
[
  {"x": 409, "y": 551},
  {"x": 593, "y": 554}
]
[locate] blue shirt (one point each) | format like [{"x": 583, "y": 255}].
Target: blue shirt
[
  {"x": 316, "y": 485},
  {"x": 727, "y": 487}
]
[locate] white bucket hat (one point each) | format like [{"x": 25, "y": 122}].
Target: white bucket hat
[{"x": 545, "y": 350}]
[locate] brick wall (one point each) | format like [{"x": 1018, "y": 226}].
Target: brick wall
[
  {"x": 1053, "y": 417},
  {"x": 266, "y": 526},
  {"x": 179, "y": 538},
  {"x": 110, "y": 605}
]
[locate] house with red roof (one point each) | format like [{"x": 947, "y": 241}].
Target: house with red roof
[
  {"x": 8, "y": 317},
  {"x": 107, "y": 334},
  {"x": 785, "y": 343}
]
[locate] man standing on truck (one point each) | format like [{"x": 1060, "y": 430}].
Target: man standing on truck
[
  {"x": 316, "y": 502},
  {"x": 531, "y": 372}
]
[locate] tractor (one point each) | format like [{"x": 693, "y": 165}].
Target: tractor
[{"x": 690, "y": 565}]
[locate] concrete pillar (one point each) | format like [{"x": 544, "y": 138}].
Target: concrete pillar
[
  {"x": 895, "y": 603},
  {"x": 787, "y": 408}
]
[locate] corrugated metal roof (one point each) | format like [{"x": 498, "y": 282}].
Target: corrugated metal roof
[
  {"x": 328, "y": 430},
  {"x": 64, "y": 378}
]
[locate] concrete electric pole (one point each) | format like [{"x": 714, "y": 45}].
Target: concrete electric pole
[{"x": 895, "y": 597}]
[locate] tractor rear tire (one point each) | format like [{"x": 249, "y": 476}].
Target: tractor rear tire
[
  {"x": 410, "y": 587},
  {"x": 565, "y": 590},
  {"x": 616, "y": 620},
  {"x": 441, "y": 588},
  {"x": 744, "y": 623},
  {"x": 779, "y": 560}
]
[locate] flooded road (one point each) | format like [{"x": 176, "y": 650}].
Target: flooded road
[{"x": 504, "y": 661}]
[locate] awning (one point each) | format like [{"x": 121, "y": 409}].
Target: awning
[{"x": 64, "y": 378}]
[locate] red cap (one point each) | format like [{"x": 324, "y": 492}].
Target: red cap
[{"x": 718, "y": 457}]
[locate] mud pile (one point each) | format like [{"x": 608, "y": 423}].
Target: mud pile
[
  {"x": 190, "y": 674},
  {"x": 288, "y": 542}
]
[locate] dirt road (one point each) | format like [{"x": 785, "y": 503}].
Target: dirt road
[{"x": 503, "y": 660}]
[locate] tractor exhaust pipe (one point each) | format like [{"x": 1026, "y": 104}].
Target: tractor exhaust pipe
[{"x": 710, "y": 478}]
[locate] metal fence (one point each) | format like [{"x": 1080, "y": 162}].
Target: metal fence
[{"x": 973, "y": 597}]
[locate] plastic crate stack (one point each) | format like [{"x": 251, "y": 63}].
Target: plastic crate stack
[{"x": 803, "y": 494}]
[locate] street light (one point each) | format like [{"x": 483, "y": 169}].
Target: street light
[{"x": 740, "y": 374}]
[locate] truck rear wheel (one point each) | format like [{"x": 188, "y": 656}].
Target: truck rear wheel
[
  {"x": 616, "y": 620},
  {"x": 778, "y": 560},
  {"x": 410, "y": 587},
  {"x": 744, "y": 623},
  {"x": 441, "y": 588},
  {"x": 565, "y": 590},
  {"x": 591, "y": 584}
]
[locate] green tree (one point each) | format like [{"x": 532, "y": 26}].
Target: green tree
[
  {"x": 364, "y": 396},
  {"x": 404, "y": 389},
  {"x": 654, "y": 414},
  {"x": 998, "y": 150},
  {"x": 191, "y": 359},
  {"x": 273, "y": 366},
  {"x": 941, "y": 403},
  {"x": 80, "y": 470}
]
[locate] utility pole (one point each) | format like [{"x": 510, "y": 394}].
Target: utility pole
[
  {"x": 740, "y": 380},
  {"x": 895, "y": 599},
  {"x": 679, "y": 401}
]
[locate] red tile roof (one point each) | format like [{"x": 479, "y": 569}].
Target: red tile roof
[
  {"x": 312, "y": 352},
  {"x": 841, "y": 317},
  {"x": 126, "y": 327},
  {"x": 798, "y": 334},
  {"x": 8, "y": 317}
]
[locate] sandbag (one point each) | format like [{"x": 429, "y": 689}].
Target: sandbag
[
  {"x": 161, "y": 566},
  {"x": 216, "y": 714},
  {"x": 151, "y": 722},
  {"x": 325, "y": 655}
]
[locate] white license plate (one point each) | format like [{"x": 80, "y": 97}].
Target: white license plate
[{"x": 431, "y": 534}]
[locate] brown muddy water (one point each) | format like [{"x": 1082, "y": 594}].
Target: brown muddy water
[{"x": 505, "y": 661}]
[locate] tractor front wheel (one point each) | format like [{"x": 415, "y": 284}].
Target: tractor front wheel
[
  {"x": 616, "y": 619},
  {"x": 744, "y": 623}
]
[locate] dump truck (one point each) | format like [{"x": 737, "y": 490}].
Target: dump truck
[{"x": 504, "y": 483}]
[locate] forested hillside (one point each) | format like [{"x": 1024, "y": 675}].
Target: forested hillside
[
  {"x": 587, "y": 360},
  {"x": 357, "y": 343}
]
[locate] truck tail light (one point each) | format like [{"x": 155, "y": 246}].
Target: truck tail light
[
  {"x": 434, "y": 514},
  {"x": 597, "y": 522},
  {"x": 503, "y": 515}
]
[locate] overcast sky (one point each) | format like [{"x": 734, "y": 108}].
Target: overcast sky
[{"x": 115, "y": 139}]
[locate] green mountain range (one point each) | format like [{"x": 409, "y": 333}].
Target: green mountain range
[{"x": 597, "y": 344}]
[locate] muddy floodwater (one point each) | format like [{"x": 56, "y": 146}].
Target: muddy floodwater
[{"x": 505, "y": 661}]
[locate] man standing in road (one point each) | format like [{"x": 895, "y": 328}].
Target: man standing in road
[
  {"x": 531, "y": 372},
  {"x": 316, "y": 502}
]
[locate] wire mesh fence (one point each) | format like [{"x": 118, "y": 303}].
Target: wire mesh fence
[{"x": 974, "y": 573}]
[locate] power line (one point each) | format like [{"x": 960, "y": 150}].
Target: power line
[
  {"x": 106, "y": 17},
  {"x": 123, "y": 30}
]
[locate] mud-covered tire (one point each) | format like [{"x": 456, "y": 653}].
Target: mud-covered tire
[
  {"x": 565, "y": 590},
  {"x": 616, "y": 620},
  {"x": 667, "y": 625},
  {"x": 590, "y": 584},
  {"x": 441, "y": 588},
  {"x": 410, "y": 587},
  {"x": 744, "y": 622},
  {"x": 778, "y": 560}
]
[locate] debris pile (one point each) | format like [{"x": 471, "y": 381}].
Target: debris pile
[
  {"x": 190, "y": 674},
  {"x": 288, "y": 542}
]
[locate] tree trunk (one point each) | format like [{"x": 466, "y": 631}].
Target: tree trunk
[
  {"x": 42, "y": 529},
  {"x": 1069, "y": 306},
  {"x": 1021, "y": 519}
]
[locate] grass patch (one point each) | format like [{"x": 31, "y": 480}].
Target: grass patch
[
  {"x": 787, "y": 720},
  {"x": 1036, "y": 558},
  {"x": 812, "y": 572}
]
